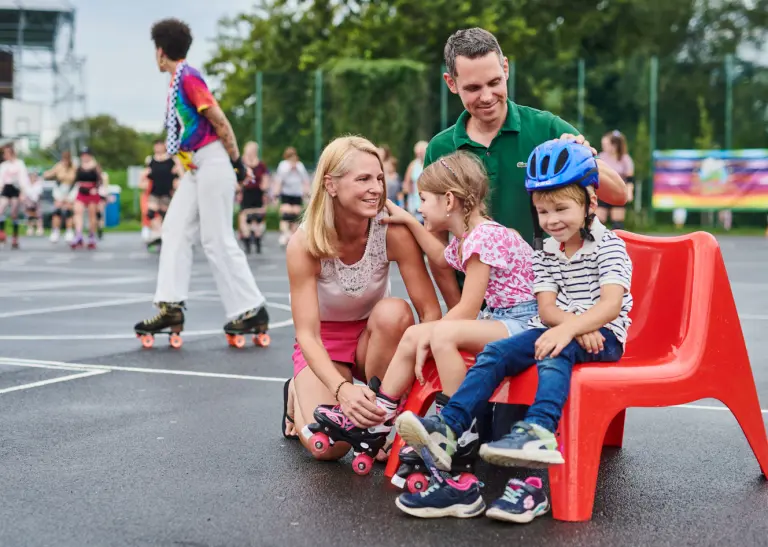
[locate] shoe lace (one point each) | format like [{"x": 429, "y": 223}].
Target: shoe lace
[{"x": 512, "y": 495}]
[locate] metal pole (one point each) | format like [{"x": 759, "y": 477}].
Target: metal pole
[
  {"x": 318, "y": 114},
  {"x": 654, "y": 90},
  {"x": 443, "y": 100},
  {"x": 728, "y": 101},
  {"x": 259, "y": 110},
  {"x": 582, "y": 93},
  {"x": 511, "y": 81}
]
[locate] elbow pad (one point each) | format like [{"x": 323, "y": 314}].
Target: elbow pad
[{"x": 630, "y": 180}]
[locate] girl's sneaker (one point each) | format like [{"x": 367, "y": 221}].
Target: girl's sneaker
[
  {"x": 522, "y": 502},
  {"x": 445, "y": 497},
  {"x": 527, "y": 445}
]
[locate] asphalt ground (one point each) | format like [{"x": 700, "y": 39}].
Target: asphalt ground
[{"x": 104, "y": 443}]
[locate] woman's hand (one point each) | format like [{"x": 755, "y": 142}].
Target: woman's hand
[
  {"x": 358, "y": 403},
  {"x": 397, "y": 215}
]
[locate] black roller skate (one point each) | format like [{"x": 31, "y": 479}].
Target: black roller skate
[
  {"x": 256, "y": 240},
  {"x": 333, "y": 426},
  {"x": 169, "y": 321},
  {"x": 255, "y": 321},
  {"x": 246, "y": 244},
  {"x": 413, "y": 474}
]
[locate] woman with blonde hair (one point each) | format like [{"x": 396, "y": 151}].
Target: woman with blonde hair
[{"x": 347, "y": 325}]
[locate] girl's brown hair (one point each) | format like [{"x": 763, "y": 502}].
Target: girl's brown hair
[
  {"x": 462, "y": 174},
  {"x": 619, "y": 142}
]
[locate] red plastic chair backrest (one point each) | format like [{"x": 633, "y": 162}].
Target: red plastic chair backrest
[{"x": 662, "y": 289}]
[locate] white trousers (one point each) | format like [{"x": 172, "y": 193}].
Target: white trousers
[{"x": 202, "y": 207}]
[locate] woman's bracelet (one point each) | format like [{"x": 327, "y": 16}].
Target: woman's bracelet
[{"x": 336, "y": 394}]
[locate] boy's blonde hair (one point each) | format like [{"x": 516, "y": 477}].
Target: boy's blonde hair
[
  {"x": 573, "y": 192},
  {"x": 319, "y": 217},
  {"x": 462, "y": 174}
]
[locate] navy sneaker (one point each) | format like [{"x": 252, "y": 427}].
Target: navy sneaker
[
  {"x": 445, "y": 497},
  {"x": 522, "y": 502},
  {"x": 527, "y": 445},
  {"x": 430, "y": 433}
]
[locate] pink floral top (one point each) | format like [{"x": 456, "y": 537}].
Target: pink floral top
[{"x": 509, "y": 256}]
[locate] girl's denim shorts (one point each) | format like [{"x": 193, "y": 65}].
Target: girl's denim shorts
[{"x": 515, "y": 318}]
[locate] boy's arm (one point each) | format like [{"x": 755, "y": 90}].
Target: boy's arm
[
  {"x": 549, "y": 313},
  {"x": 606, "y": 310}
]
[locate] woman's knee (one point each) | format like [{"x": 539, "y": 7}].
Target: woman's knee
[{"x": 391, "y": 316}]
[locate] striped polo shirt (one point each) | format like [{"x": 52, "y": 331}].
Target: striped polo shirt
[{"x": 577, "y": 280}]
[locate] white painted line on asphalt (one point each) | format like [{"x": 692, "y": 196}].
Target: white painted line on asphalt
[
  {"x": 53, "y": 381},
  {"x": 97, "y": 369},
  {"x": 19, "y": 286},
  {"x": 709, "y": 407},
  {"x": 122, "y": 335},
  {"x": 74, "y": 307},
  {"x": 106, "y": 368}
]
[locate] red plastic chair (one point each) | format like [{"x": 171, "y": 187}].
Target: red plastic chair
[{"x": 685, "y": 344}]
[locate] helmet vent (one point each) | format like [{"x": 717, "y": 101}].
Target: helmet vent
[
  {"x": 545, "y": 164},
  {"x": 532, "y": 165},
  {"x": 562, "y": 159}
]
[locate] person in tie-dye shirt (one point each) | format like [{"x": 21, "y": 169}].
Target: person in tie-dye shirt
[{"x": 200, "y": 134}]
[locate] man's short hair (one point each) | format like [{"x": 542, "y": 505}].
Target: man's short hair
[
  {"x": 173, "y": 37},
  {"x": 472, "y": 43}
]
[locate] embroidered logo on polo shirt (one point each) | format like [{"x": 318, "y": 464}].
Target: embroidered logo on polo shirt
[{"x": 522, "y": 164}]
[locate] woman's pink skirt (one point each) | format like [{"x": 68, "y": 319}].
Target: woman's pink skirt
[{"x": 339, "y": 339}]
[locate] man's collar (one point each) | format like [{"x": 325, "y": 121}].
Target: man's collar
[
  {"x": 597, "y": 228},
  {"x": 511, "y": 123}
]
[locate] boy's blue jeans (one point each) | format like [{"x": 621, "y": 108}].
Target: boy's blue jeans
[{"x": 511, "y": 356}]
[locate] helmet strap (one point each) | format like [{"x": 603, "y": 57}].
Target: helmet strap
[{"x": 586, "y": 232}]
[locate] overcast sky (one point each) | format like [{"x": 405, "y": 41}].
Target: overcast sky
[{"x": 121, "y": 75}]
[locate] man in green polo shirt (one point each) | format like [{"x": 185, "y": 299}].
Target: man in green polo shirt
[{"x": 502, "y": 133}]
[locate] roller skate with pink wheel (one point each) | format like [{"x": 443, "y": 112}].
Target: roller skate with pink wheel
[
  {"x": 255, "y": 321},
  {"x": 414, "y": 476},
  {"x": 333, "y": 426},
  {"x": 91, "y": 241},
  {"x": 169, "y": 321}
]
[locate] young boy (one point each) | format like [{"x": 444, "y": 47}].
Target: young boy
[
  {"x": 582, "y": 285},
  {"x": 200, "y": 134}
]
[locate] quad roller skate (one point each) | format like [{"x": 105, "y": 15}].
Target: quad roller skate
[
  {"x": 91, "y": 242},
  {"x": 333, "y": 426},
  {"x": 169, "y": 321},
  {"x": 256, "y": 241},
  {"x": 3, "y": 237},
  {"x": 77, "y": 242},
  {"x": 254, "y": 322},
  {"x": 414, "y": 475}
]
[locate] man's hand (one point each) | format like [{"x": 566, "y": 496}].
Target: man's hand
[
  {"x": 591, "y": 342},
  {"x": 578, "y": 139},
  {"x": 358, "y": 403},
  {"x": 552, "y": 342}
]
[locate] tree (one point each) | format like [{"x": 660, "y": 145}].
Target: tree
[{"x": 114, "y": 146}]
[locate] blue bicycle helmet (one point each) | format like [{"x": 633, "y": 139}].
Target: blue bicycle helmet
[{"x": 557, "y": 163}]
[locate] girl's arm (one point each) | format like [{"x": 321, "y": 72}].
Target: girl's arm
[
  {"x": 402, "y": 248},
  {"x": 432, "y": 247},
  {"x": 473, "y": 294}
]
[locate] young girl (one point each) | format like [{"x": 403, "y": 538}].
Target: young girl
[{"x": 497, "y": 264}]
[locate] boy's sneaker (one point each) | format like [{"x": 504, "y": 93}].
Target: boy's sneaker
[
  {"x": 445, "y": 497},
  {"x": 522, "y": 502},
  {"x": 430, "y": 433},
  {"x": 527, "y": 445}
]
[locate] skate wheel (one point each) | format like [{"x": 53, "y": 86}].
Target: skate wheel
[
  {"x": 147, "y": 340},
  {"x": 417, "y": 482},
  {"x": 262, "y": 340},
  {"x": 238, "y": 340},
  {"x": 362, "y": 464},
  {"x": 466, "y": 478},
  {"x": 319, "y": 443},
  {"x": 176, "y": 341}
]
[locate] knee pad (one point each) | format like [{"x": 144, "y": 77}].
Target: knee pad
[
  {"x": 617, "y": 225},
  {"x": 151, "y": 214},
  {"x": 67, "y": 214},
  {"x": 57, "y": 212},
  {"x": 254, "y": 217},
  {"x": 289, "y": 217},
  {"x": 98, "y": 215},
  {"x": 162, "y": 214}
]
